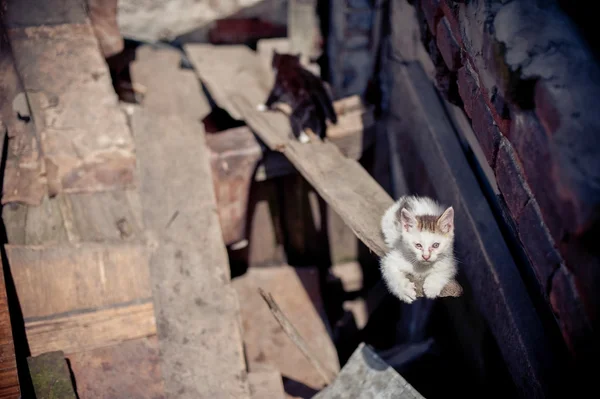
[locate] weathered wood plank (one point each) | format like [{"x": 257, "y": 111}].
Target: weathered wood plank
[
  {"x": 23, "y": 174},
  {"x": 298, "y": 294},
  {"x": 9, "y": 380},
  {"x": 53, "y": 280},
  {"x": 50, "y": 375},
  {"x": 84, "y": 136},
  {"x": 197, "y": 310},
  {"x": 266, "y": 385},
  {"x": 129, "y": 370},
  {"x": 91, "y": 329},
  {"x": 366, "y": 376},
  {"x": 346, "y": 186},
  {"x": 342, "y": 182},
  {"x": 109, "y": 216}
]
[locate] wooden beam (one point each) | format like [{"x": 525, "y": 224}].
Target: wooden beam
[
  {"x": 350, "y": 191},
  {"x": 197, "y": 309},
  {"x": 84, "y": 137}
]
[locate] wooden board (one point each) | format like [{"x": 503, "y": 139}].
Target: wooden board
[
  {"x": 297, "y": 292},
  {"x": 9, "y": 380},
  {"x": 84, "y": 136},
  {"x": 23, "y": 177},
  {"x": 197, "y": 310},
  {"x": 129, "y": 370},
  {"x": 55, "y": 280},
  {"x": 91, "y": 329},
  {"x": 266, "y": 385},
  {"x": 109, "y": 216},
  {"x": 50, "y": 376},
  {"x": 342, "y": 182}
]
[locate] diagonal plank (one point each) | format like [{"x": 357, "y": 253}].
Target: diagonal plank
[{"x": 238, "y": 81}]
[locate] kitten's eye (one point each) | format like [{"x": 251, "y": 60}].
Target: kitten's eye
[
  {"x": 436, "y": 244},
  {"x": 418, "y": 246}
]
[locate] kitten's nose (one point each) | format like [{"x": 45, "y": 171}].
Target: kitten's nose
[{"x": 426, "y": 257}]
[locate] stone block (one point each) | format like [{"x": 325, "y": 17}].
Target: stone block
[{"x": 468, "y": 87}]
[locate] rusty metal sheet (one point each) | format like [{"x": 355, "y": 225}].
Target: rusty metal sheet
[
  {"x": 234, "y": 155},
  {"x": 85, "y": 139},
  {"x": 23, "y": 176}
]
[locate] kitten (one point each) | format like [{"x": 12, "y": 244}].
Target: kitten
[
  {"x": 307, "y": 95},
  {"x": 420, "y": 235}
]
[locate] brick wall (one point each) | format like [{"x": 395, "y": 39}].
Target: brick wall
[{"x": 529, "y": 83}]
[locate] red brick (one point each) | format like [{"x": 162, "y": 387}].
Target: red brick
[
  {"x": 538, "y": 243},
  {"x": 448, "y": 45},
  {"x": 432, "y": 11},
  {"x": 450, "y": 10},
  {"x": 574, "y": 323},
  {"x": 531, "y": 142},
  {"x": 468, "y": 87},
  {"x": 510, "y": 179},
  {"x": 485, "y": 129}
]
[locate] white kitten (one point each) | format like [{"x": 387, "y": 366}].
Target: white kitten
[{"x": 420, "y": 235}]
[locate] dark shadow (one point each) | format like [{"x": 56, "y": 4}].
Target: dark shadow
[
  {"x": 297, "y": 389},
  {"x": 72, "y": 375}
]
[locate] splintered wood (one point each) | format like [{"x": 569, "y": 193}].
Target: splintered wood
[{"x": 238, "y": 81}]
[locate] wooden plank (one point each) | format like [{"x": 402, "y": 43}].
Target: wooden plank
[
  {"x": 92, "y": 329},
  {"x": 9, "y": 380},
  {"x": 52, "y": 280},
  {"x": 50, "y": 375},
  {"x": 109, "y": 216},
  {"x": 342, "y": 182},
  {"x": 197, "y": 310},
  {"x": 23, "y": 173},
  {"x": 346, "y": 186},
  {"x": 266, "y": 385},
  {"x": 84, "y": 136},
  {"x": 366, "y": 376},
  {"x": 129, "y": 370},
  {"x": 297, "y": 292}
]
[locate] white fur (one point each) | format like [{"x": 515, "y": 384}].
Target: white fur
[
  {"x": 406, "y": 258},
  {"x": 303, "y": 137},
  {"x": 261, "y": 107}
]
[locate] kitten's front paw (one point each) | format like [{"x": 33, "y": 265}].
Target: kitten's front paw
[
  {"x": 432, "y": 288},
  {"x": 408, "y": 292},
  {"x": 303, "y": 138},
  {"x": 261, "y": 107}
]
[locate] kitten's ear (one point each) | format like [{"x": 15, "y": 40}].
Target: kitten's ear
[
  {"x": 446, "y": 221},
  {"x": 407, "y": 220}
]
